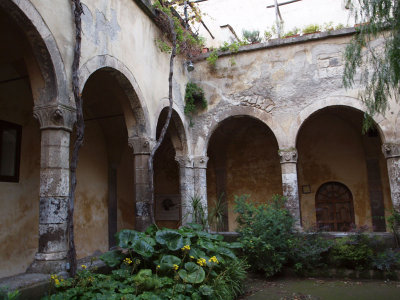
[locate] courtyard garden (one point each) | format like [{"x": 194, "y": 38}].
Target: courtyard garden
[{"x": 269, "y": 260}]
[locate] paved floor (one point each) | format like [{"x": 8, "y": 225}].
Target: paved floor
[{"x": 299, "y": 289}]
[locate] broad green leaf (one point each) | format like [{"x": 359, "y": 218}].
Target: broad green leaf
[
  {"x": 192, "y": 273},
  {"x": 112, "y": 258},
  {"x": 171, "y": 238},
  {"x": 196, "y": 253},
  {"x": 234, "y": 245},
  {"x": 226, "y": 252},
  {"x": 167, "y": 262},
  {"x": 127, "y": 237},
  {"x": 205, "y": 244},
  {"x": 143, "y": 248},
  {"x": 206, "y": 290}
]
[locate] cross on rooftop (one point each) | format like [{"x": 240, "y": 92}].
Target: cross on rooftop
[{"x": 278, "y": 15}]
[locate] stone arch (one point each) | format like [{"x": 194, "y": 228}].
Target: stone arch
[
  {"x": 236, "y": 111},
  {"x": 137, "y": 117},
  {"x": 179, "y": 133},
  {"x": 383, "y": 126},
  {"x": 45, "y": 51}
]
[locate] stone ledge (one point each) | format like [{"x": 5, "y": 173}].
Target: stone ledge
[{"x": 283, "y": 42}]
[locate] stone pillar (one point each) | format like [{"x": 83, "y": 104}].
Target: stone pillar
[
  {"x": 141, "y": 149},
  {"x": 290, "y": 187},
  {"x": 186, "y": 183},
  {"x": 200, "y": 180},
  {"x": 392, "y": 154},
  {"x": 56, "y": 124}
]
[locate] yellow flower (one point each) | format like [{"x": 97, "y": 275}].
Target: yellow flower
[
  {"x": 201, "y": 262},
  {"x": 127, "y": 261},
  {"x": 56, "y": 281},
  {"x": 83, "y": 267},
  {"x": 185, "y": 248},
  {"x": 175, "y": 267},
  {"x": 158, "y": 267},
  {"x": 213, "y": 259},
  {"x": 192, "y": 257}
]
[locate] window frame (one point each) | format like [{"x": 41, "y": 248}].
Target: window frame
[{"x": 8, "y": 125}]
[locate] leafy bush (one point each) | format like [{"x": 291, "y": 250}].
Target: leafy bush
[
  {"x": 353, "y": 252},
  {"x": 187, "y": 263},
  {"x": 5, "y": 294},
  {"x": 265, "y": 232},
  {"x": 309, "y": 251},
  {"x": 387, "y": 260}
]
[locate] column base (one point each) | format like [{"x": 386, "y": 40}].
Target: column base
[{"x": 48, "y": 263}]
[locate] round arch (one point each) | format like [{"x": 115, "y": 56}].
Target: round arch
[
  {"x": 179, "y": 135},
  {"x": 382, "y": 124},
  {"x": 45, "y": 51},
  {"x": 237, "y": 111},
  {"x": 137, "y": 117}
]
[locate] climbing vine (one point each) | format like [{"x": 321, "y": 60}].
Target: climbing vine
[
  {"x": 194, "y": 98},
  {"x": 80, "y": 131}
]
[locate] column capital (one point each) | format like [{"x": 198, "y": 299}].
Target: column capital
[
  {"x": 391, "y": 150},
  {"x": 288, "y": 155},
  {"x": 200, "y": 162},
  {"x": 141, "y": 144},
  {"x": 55, "y": 117},
  {"x": 184, "y": 161}
]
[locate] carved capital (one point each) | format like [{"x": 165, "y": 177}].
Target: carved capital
[
  {"x": 391, "y": 150},
  {"x": 184, "y": 161},
  {"x": 141, "y": 145},
  {"x": 55, "y": 117},
  {"x": 288, "y": 155},
  {"x": 200, "y": 162}
]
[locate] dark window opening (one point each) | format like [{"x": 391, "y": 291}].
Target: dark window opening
[
  {"x": 334, "y": 207},
  {"x": 10, "y": 150}
]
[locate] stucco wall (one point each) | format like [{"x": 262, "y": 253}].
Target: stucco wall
[{"x": 19, "y": 202}]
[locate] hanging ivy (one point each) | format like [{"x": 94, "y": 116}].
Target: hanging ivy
[{"x": 194, "y": 99}]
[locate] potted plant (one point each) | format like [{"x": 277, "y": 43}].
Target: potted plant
[
  {"x": 310, "y": 29},
  {"x": 292, "y": 33},
  {"x": 252, "y": 37}
]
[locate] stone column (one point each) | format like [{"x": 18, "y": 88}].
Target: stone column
[
  {"x": 56, "y": 124},
  {"x": 290, "y": 187},
  {"x": 186, "y": 183},
  {"x": 141, "y": 149},
  {"x": 392, "y": 154},
  {"x": 200, "y": 180}
]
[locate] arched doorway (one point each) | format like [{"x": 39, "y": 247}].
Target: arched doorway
[
  {"x": 105, "y": 195},
  {"x": 334, "y": 207},
  {"x": 243, "y": 159},
  {"x": 167, "y": 194},
  {"x": 332, "y": 148}
]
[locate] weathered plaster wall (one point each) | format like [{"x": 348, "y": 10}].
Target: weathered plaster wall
[
  {"x": 19, "y": 202},
  {"x": 122, "y": 30},
  {"x": 126, "y": 191},
  {"x": 91, "y": 209},
  {"x": 282, "y": 83}
]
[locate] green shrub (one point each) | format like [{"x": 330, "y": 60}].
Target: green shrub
[
  {"x": 309, "y": 251},
  {"x": 212, "y": 59},
  {"x": 187, "y": 263},
  {"x": 387, "y": 260},
  {"x": 5, "y": 294},
  {"x": 353, "y": 252},
  {"x": 265, "y": 232}
]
